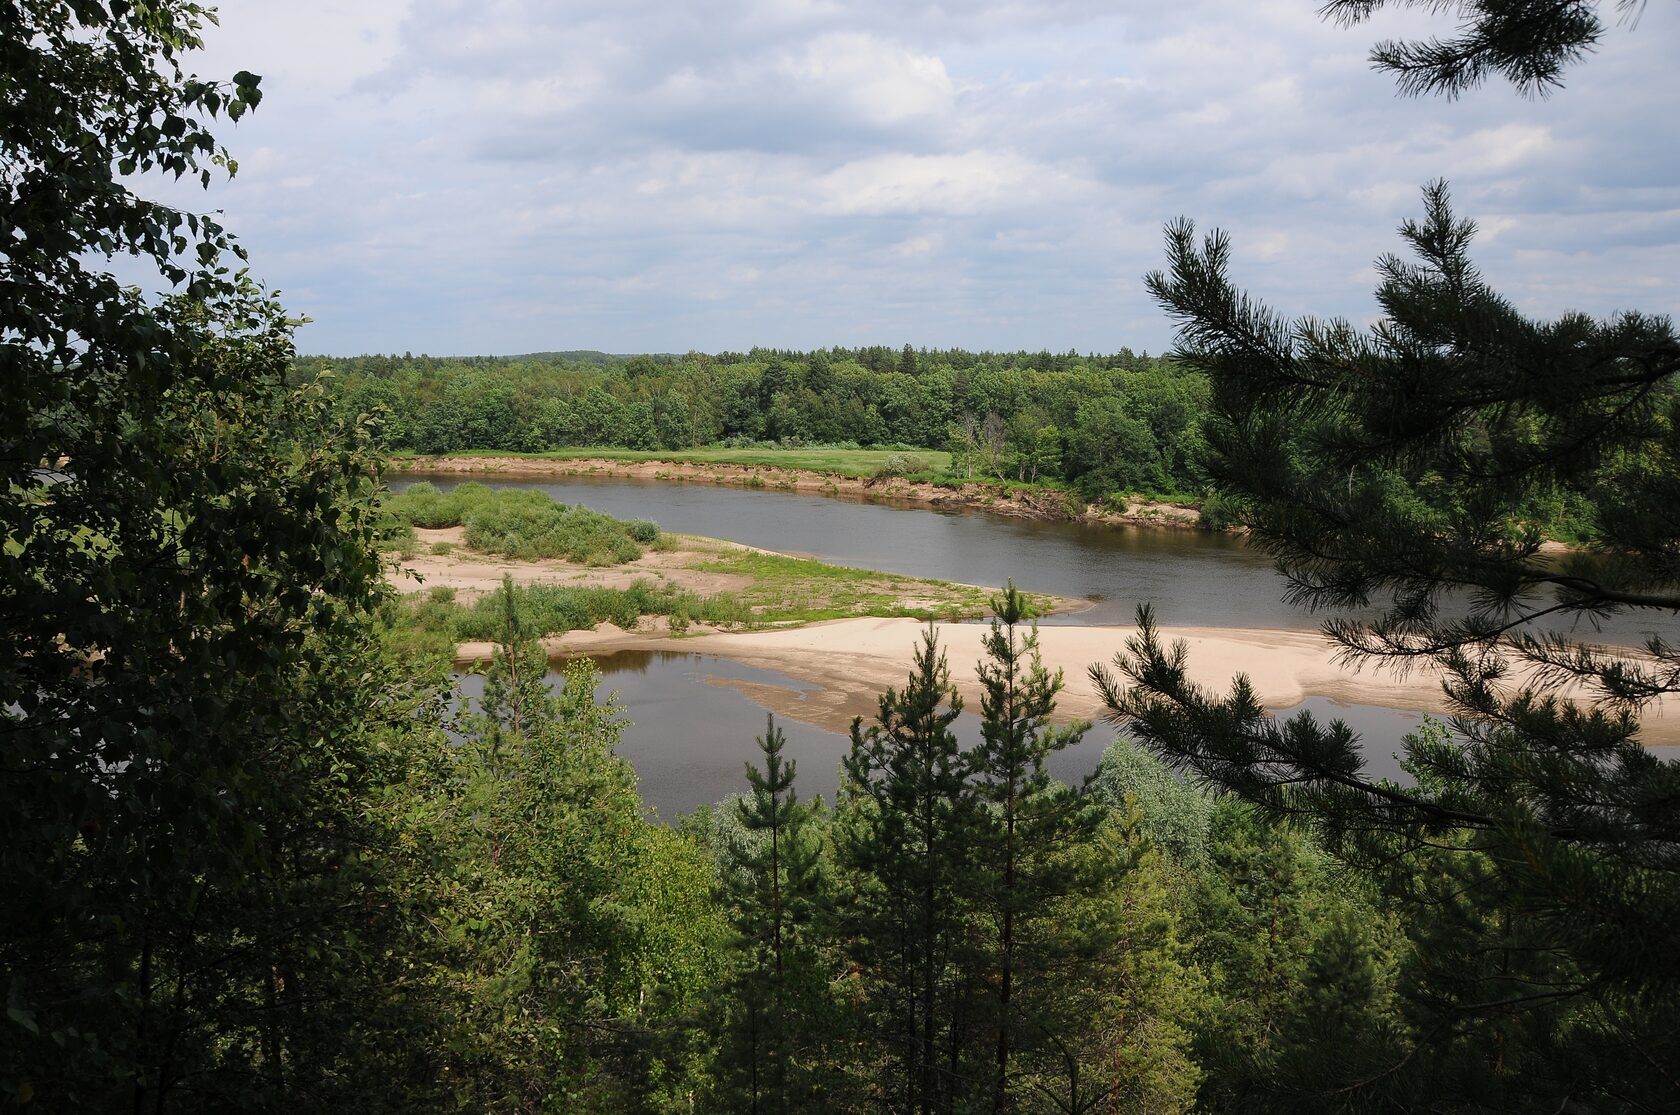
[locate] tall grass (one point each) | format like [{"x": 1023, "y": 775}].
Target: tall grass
[
  {"x": 550, "y": 609},
  {"x": 556, "y": 609}
]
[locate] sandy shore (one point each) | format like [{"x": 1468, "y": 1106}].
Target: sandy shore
[{"x": 851, "y": 661}]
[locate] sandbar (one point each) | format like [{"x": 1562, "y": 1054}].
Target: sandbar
[{"x": 851, "y": 661}]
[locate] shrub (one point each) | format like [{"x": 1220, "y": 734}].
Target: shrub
[
  {"x": 552, "y": 609},
  {"x": 1219, "y": 513},
  {"x": 1176, "y": 814},
  {"x": 645, "y": 531},
  {"x": 394, "y": 534},
  {"x": 520, "y": 523},
  {"x": 903, "y": 464}
]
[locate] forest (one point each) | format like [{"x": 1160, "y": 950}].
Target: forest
[
  {"x": 1104, "y": 424},
  {"x": 261, "y": 853}
]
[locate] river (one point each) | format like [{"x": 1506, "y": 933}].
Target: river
[
  {"x": 1193, "y": 578},
  {"x": 691, "y": 728}
]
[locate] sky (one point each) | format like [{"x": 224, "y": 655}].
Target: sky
[{"x": 509, "y": 176}]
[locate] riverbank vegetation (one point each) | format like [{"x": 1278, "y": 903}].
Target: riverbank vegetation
[
  {"x": 569, "y": 582},
  {"x": 858, "y": 463},
  {"x": 571, "y": 568},
  {"x": 1102, "y": 431}
]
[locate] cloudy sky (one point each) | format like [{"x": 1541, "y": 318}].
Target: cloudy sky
[{"x": 502, "y": 176}]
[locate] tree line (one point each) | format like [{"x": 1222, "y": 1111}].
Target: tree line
[{"x": 1104, "y": 424}]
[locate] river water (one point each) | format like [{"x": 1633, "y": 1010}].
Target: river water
[
  {"x": 1193, "y": 578},
  {"x": 690, "y": 731}
]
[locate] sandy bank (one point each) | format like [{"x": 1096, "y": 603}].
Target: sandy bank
[
  {"x": 1046, "y": 503},
  {"x": 851, "y": 661}
]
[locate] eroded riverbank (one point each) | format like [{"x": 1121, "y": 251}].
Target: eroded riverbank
[{"x": 1045, "y": 504}]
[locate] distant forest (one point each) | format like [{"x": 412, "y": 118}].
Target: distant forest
[{"x": 1126, "y": 422}]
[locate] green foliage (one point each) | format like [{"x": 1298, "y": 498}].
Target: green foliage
[
  {"x": 195, "y": 715},
  {"x": 904, "y": 836},
  {"x": 1528, "y": 42},
  {"x": 247, "y": 869},
  {"x": 902, "y": 465},
  {"x": 1295, "y": 956},
  {"x": 551, "y": 609},
  {"x": 565, "y": 922},
  {"x": 1175, "y": 815},
  {"x": 1115, "y": 504},
  {"x": 522, "y": 523},
  {"x": 972, "y": 934},
  {"x": 1219, "y": 512},
  {"x": 778, "y": 1008},
  {"x": 1396, "y": 476},
  {"x": 1033, "y": 856},
  {"x": 790, "y": 589},
  {"x": 1105, "y": 423}
]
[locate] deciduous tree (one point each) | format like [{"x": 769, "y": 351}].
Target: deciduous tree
[{"x": 190, "y": 701}]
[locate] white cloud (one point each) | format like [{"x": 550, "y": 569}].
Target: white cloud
[
  {"x": 1506, "y": 147},
  {"x": 887, "y": 84},
  {"x": 950, "y": 184},
  {"x": 914, "y": 246},
  {"x": 515, "y": 175}
]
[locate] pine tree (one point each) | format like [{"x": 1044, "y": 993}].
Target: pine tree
[
  {"x": 516, "y": 698},
  {"x": 1035, "y": 829},
  {"x": 1400, "y": 477},
  {"x": 906, "y": 838},
  {"x": 773, "y": 889},
  {"x": 1528, "y": 42},
  {"x": 1403, "y": 477}
]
